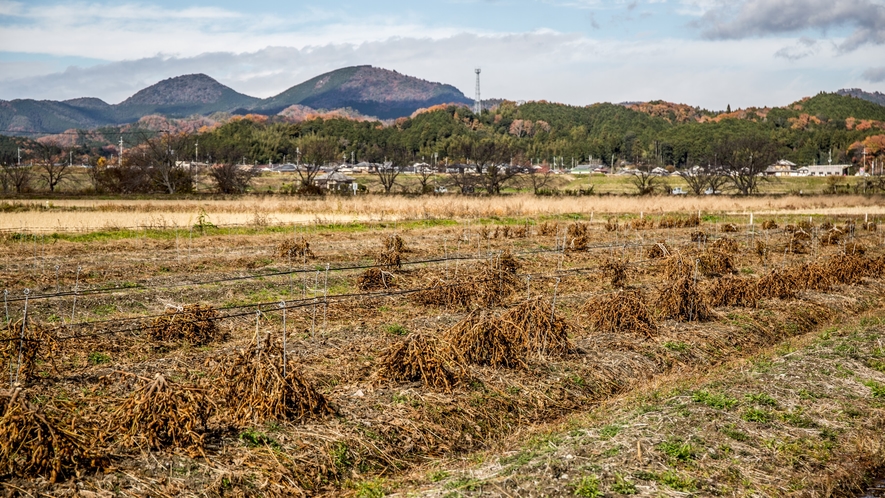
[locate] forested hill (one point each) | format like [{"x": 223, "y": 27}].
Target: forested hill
[
  {"x": 370, "y": 90},
  {"x": 805, "y": 132},
  {"x": 363, "y": 90}
]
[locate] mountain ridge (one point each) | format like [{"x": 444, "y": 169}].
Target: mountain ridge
[{"x": 364, "y": 91}]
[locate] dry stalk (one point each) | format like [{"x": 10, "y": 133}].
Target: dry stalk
[
  {"x": 163, "y": 414},
  {"x": 293, "y": 249},
  {"x": 32, "y": 350},
  {"x": 680, "y": 300},
  {"x": 376, "y": 278},
  {"x": 623, "y": 311},
  {"x": 423, "y": 358},
  {"x": 257, "y": 391},
  {"x": 730, "y": 290},
  {"x": 193, "y": 323},
  {"x": 46, "y": 441}
]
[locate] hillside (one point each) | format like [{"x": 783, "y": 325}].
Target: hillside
[
  {"x": 183, "y": 96},
  {"x": 369, "y": 90},
  {"x": 874, "y": 97}
]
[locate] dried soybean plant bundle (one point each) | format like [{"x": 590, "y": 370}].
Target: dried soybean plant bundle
[
  {"x": 493, "y": 282},
  {"x": 849, "y": 270},
  {"x": 729, "y": 228},
  {"x": 778, "y": 284},
  {"x": 193, "y": 323},
  {"x": 537, "y": 329},
  {"x": 445, "y": 293},
  {"x": 391, "y": 255},
  {"x": 578, "y": 236},
  {"x": 831, "y": 237},
  {"x": 657, "y": 250},
  {"x": 725, "y": 244},
  {"x": 295, "y": 249},
  {"x": 812, "y": 276},
  {"x": 376, "y": 278},
  {"x": 482, "y": 339},
  {"x": 698, "y": 236},
  {"x": 615, "y": 271},
  {"x": 164, "y": 414},
  {"x": 548, "y": 228},
  {"x": 769, "y": 225},
  {"x": 423, "y": 358},
  {"x": 623, "y": 311},
  {"x": 715, "y": 263},
  {"x": 730, "y": 290},
  {"x": 679, "y": 265},
  {"x": 44, "y": 441},
  {"x": 259, "y": 389},
  {"x": 22, "y": 353},
  {"x": 681, "y": 301}
]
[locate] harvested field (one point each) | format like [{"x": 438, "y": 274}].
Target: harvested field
[{"x": 330, "y": 359}]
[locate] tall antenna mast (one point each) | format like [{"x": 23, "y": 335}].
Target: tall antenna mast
[{"x": 477, "y": 103}]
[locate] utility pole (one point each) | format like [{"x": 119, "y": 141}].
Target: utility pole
[
  {"x": 197, "y": 152},
  {"x": 70, "y": 158},
  {"x": 120, "y": 159},
  {"x": 19, "y": 157}
]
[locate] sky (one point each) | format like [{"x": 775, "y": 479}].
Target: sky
[{"x": 708, "y": 53}]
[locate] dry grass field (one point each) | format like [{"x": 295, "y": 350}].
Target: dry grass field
[
  {"x": 84, "y": 215},
  {"x": 251, "y": 355}
]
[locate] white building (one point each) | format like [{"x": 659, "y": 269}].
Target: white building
[{"x": 824, "y": 170}]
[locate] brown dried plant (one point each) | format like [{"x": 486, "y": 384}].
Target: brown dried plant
[
  {"x": 682, "y": 301},
  {"x": 730, "y": 290},
  {"x": 623, "y": 311},
  {"x": 47, "y": 441},
  {"x": 193, "y": 323},
  {"x": 293, "y": 249},
  {"x": 259, "y": 389},
  {"x": 375, "y": 279},
  {"x": 423, "y": 358},
  {"x": 163, "y": 414},
  {"x": 616, "y": 271},
  {"x": 23, "y": 353}
]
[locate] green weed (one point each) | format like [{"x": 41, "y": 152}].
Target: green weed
[
  {"x": 761, "y": 399},
  {"x": 96, "y": 358},
  {"x": 756, "y": 415},
  {"x": 678, "y": 450},
  {"x": 587, "y": 487},
  {"x": 623, "y": 486},
  {"x": 714, "y": 400},
  {"x": 609, "y": 431}
]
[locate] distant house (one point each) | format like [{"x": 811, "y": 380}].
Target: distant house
[
  {"x": 823, "y": 170},
  {"x": 781, "y": 168},
  {"x": 581, "y": 169},
  {"x": 334, "y": 180}
]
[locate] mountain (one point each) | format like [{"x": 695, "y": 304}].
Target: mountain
[
  {"x": 183, "y": 96},
  {"x": 874, "y": 97},
  {"x": 369, "y": 90},
  {"x": 177, "y": 97}
]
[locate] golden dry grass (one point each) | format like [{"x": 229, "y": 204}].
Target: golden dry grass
[{"x": 85, "y": 214}]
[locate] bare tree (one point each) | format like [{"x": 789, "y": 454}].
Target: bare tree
[
  {"x": 159, "y": 157},
  {"x": 315, "y": 151},
  {"x": 54, "y": 166},
  {"x": 745, "y": 160},
  {"x": 644, "y": 180},
  {"x": 491, "y": 155},
  {"x": 228, "y": 176},
  {"x": 388, "y": 171},
  {"x": 699, "y": 179},
  {"x": 17, "y": 177}
]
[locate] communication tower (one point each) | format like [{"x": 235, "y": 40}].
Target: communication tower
[{"x": 477, "y": 103}]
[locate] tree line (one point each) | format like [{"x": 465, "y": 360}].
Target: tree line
[{"x": 484, "y": 153}]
